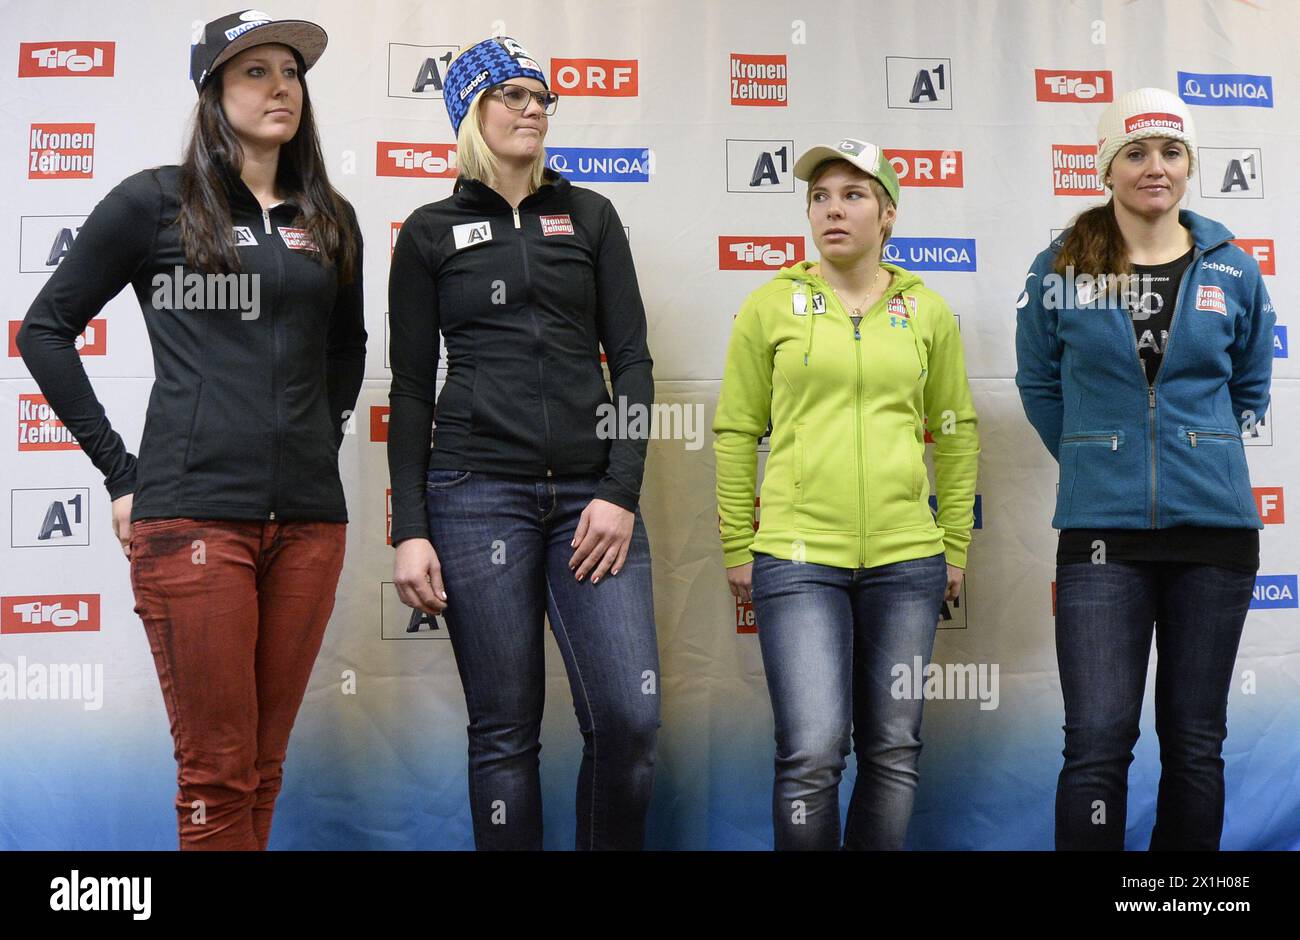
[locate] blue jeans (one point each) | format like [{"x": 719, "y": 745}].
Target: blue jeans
[
  {"x": 1104, "y": 619},
  {"x": 504, "y": 548},
  {"x": 830, "y": 638}
]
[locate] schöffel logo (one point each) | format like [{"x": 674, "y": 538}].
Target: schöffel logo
[
  {"x": 379, "y": 424},
  {"x": 423, "y": 161},
  {"x": 49, "y": 517},
  {"x": 931, "y": 254},
  {"x": 39, "y": 429},
  {"x": 69, "y": 59},
  {"x": 1270, "y": 502},
  {"x": 1074, "y": 170},
  {"x": 601, "y": 164},
  {"x": 1072, "y": 85},
  {"x": 45, "y": 240},
  {"x": 50, "y": 613},
  {"x": 61, "y": 152},
  {"x": 760, "y": 166},
  {"x": 1279, "y": 342},
  {"x": 918, "y": 84},
  {"x": 417, "y": 71},
  {"x": 1261, "y": 249},
  {"x": 1273, "y": 590},
  {"x": 759, "y": 80},
  {"x": 927, "y": 167},
  {"x": 751, "y": 253},
  {"x": 602, "y": 78},
  {"x": 1230, "y": 172},
  {"x": 93, "y": 340},
  {"x": 1227, "y": 90}
]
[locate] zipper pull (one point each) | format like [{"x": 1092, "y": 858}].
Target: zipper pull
[
  {"x": 516, "y": 212},
  {"x": 1151, "y": 396},
  {"x": 1191, "y": 436},
  {"x": 1114, "y": 442},
  {"x": 266, "y": 221}
]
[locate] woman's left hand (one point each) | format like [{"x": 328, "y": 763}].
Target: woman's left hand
[
  {"x": 601, "y": 542},
  {"x": 954, "y": 583}
]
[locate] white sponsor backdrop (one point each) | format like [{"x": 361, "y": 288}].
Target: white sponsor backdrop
[{"x": 384, "y": 767}]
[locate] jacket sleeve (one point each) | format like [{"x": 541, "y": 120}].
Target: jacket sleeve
[
  {"x": 113, "y": 244},
  {"x": 1252, "y": 357},
  {"x": 413, "y": 352},
  {"x": 1038, "y": 363},
  {"x": 345, "y": 355},
  {"x": 621, "y": 328},
  {"x": 744, "y": 410},
  {"x": 952, "y": 422}
]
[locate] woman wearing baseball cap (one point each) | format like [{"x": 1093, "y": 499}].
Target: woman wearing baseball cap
[
  {"x": 850, "y": 360},
  {"x": 1144, "y": 346},
  {"x": 247, "y": 265},
  {"x": 525, "y": 506}
]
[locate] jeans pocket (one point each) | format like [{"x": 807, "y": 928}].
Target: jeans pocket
[{"x": 445, "y": 479}]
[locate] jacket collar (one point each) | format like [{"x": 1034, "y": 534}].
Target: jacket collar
[
  {"x": 1206, "y": 233},
  {"x": 475, "y": 194},
  {"x": 238, "y": 193}
]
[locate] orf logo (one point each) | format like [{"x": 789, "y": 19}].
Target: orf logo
[
  {"x": 379, "y": 423},
  {"x": 1068, "y": 85},
  {"x": 1074, "y": 170},
  {"x": 1231, "y": 173},
  {"x": 1261, "y": 249},
  {"x": 918, "y": 84},
  {"x": 61, "y": 152},
  {"x": 927, "y": 167},
  {"x": 749, "y": 253},
  {"x": 417, "y": 71},
  {"x": 422, "y": 161},
  {"x": 1269, "y": 502},
  {"x": 69, "y": 59},
  {"x": 93, "y": 340},
  {"x": 39, "y": 429},
  {"x": 758, "y": 80},
  {"x": 50, "y": 613},
  {"x": 760, "y": 166},
  {"x": 603, "y": 78}
]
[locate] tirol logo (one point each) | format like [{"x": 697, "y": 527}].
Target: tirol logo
[
  {"x": 1153, "y": 120},
  {"x": 556, "y": 224},
  {"x": 751, "y": 253},
  {"x": 417, "y": 71},
  {"x": 379, "y": 424},
  {"x": 759, "y": 80},
  {"x": 50, "y": 613},
  {"x": 1074, "y": 170},
  {"x": 760, "y": 166},
  {"x": 45, "y": 240},
  {"x": 93, "y": 340},
  {"x": 931, "y": 254},
  {"x": 918, "y": 84},
  {"x": 1231, "y": 173},
  {"x": 422, "y": 161},
  {"x": 70, "y": 59},
  {"x": 1210, "y": 297},
  {"x": 61, "y": 152},
  {"x": 600, "y": 164},
  {"x": 927, "y": 167},
  {"x": 1273, "y": 591},
  {"x": 1270, "y": 503},
  {"x": 39, "y": 429},
  {"x": 1261, "y": 249},
  {"x": 44, "y": 518},
  {"x": 1069, "y": 85},
  {"x": 604, "y": 78},
  {"x": 1226, "y": 91}
]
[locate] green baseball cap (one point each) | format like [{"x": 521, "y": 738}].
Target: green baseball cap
[{"x": 868, "y": 158}]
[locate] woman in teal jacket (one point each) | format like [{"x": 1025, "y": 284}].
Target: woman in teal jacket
[{"x": 1144, "y": 344}]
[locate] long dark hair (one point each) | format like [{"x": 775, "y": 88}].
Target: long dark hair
[
  {"x": 214, "y": 150},
  {"x": 1095, "y": 245}
]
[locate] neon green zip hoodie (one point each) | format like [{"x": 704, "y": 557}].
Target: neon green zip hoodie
[{"x": 845, "y": 483}]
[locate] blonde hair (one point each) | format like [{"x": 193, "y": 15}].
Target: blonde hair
[{"x": 475, "y": 159}]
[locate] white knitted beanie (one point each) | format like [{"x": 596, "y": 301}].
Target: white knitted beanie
[{"x": 1146, "y": 112}]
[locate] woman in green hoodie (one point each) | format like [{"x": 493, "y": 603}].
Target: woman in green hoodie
[{"x": 847, "y": 359}]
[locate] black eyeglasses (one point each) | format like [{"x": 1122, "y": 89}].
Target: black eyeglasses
[{"x": 515, "y": 97}]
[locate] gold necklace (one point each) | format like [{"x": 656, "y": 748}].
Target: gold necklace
[{"x": 857, "y": 308}]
